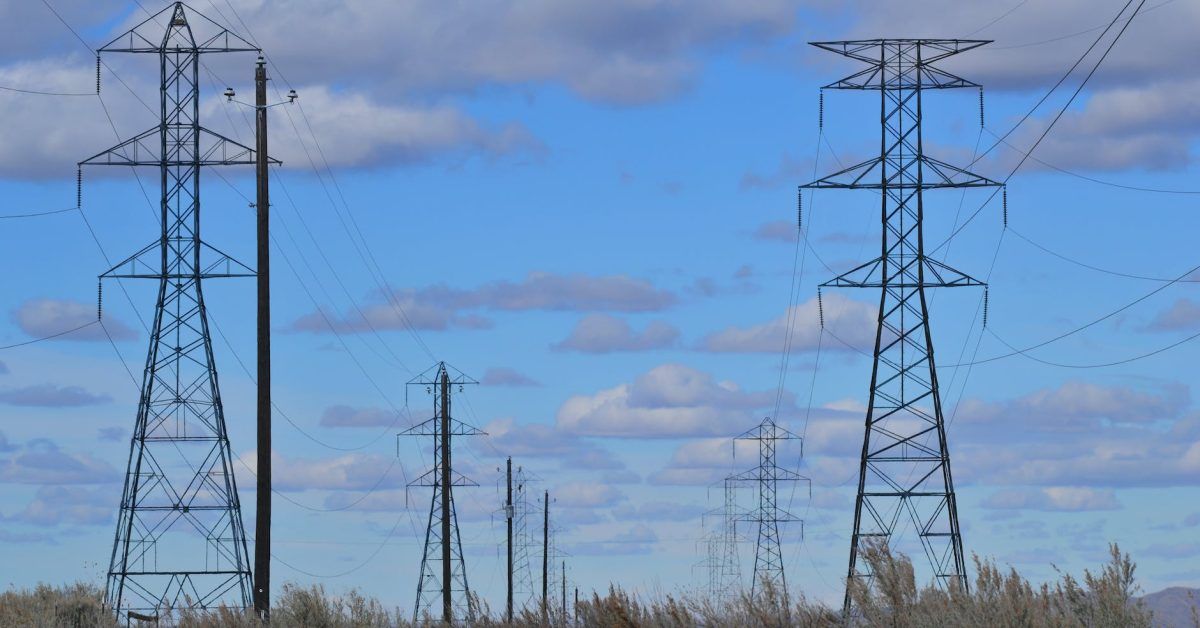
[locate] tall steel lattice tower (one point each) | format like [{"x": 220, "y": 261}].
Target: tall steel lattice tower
[
  {"x": 905, "y": 468},
  {"x": 768, "y": 555},
  {"x": 443, "y": 581},
  {"x": 179, "y": 540}
]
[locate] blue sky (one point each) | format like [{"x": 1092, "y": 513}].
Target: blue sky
[{"x": 591, "y": 210}]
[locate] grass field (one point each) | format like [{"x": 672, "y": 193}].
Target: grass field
[{"x": 1003, "y": 598}]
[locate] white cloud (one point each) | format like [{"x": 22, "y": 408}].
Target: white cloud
[
  {"x": 668, "y": 401},
  {"x": 504, "y": 376},
  {"x": 853, "y": 321},
  {"x": 440, "y": 307},
  {"x": 51, "y": 396},
  {"x": 346, "y": 472},
  {"x": 621, "y": 52},
  {"x": 346, "y": 416},
  {"x": 41, "y": 461},
  {"x": 1053, "y": 498},
  {"x": 1077, "y": 404},
  {"x": 601, "y": 333},
  {"x": 58, "y": 505},
  {"x": 585, "y": 495},
  {"x": 46, "y": 317}
]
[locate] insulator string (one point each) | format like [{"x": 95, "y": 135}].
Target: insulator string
[
  {"x": 78, "y": 188},
  {"x": 97, "y": 74},
  {"x": 1004, "y": 202},
  {"x": 821, "y": 111},
  {"x": 985, "y": 306},
  {"x": 981, "y": 107},
  {"x": 820, "y": 308},
  {"x": 800, "y": 209}
]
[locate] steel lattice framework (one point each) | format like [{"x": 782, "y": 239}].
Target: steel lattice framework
[
  {"x": 905, "y": 465},
  {"x": 179, "y": 540},
  {"x": 768, "y": 555},
  {"x": 523, "y": 540},
  {"x": 443, "y": 580}
]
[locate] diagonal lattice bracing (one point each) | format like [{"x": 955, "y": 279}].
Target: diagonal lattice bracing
[
  {"x": 179, "y": 540},
  {"x": 904, "y": 475}
]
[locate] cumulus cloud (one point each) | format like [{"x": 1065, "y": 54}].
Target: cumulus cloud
[
  {"x": 1081, "y": 405},
  {"x": 586, "y": 495},
  {"x": 601, "y": 333},
  {"x": 51, "y": 396},
  {"x": 1184, "y": 314},
  {"x": 619, "y": 52},
  {"x": 1053, "y": 498},
  {"x": 668, "y": 401},
  {"x": 41, "y": 461},
  {"x": 58, "y": 505},
  {"x": 538, "y": 440},
  {"x": 346, "y": 472},
  {"x": 46, "y": 317},
  {"x": 441, "y": 307},
  {"x": 853, "y": 321},
  {"x": 637, "y": 539},
  {"x": 504, "y": 376},
  {"x": 346, "y": 416}
]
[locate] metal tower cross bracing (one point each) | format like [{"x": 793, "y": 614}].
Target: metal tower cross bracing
[
  {"x": 768, "y": 555},
  {"x": 905, "y": 465},
  {"x": 179, "y": 540},
  {"x": 443, "y": 581}
]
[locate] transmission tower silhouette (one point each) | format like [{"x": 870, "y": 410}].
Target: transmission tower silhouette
[
  {"x": 523, "y": 542},
  {"x": 721, "y": 543},
  {"x": 179, "y": 540},
  {"x": 901, "y": 472},
  {"x": 768, "y": 556},
  {"x": 443, "y": 580}
]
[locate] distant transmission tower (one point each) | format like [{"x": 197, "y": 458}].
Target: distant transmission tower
[
  {"x": 443, "y": 581},
  {"x": 901, "y": 472},
  {"x": 768, "y": 556},
  {"x": 523, "y": 541},
  {"x": 179, "y": 541},
  {"x": 721, "y": 543}
]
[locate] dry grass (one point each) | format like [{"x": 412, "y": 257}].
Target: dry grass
[{"x": 998, "y": 598}]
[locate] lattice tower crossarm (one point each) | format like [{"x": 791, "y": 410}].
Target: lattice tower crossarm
[
  {"x": 905, "y": 464},
  {"x": 179, "y": 542}
]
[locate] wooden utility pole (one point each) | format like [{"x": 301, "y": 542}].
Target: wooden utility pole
[
  {"x": 546, "y": 555},
  {"x": 262, "y": 521},
  {"x": 508, "y": 514},
  {"x": 447, "y": 597}
]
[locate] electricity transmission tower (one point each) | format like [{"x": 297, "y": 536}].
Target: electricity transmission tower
[
  {"x": 179, "y": 540},
  {"x": 443, "y": 572},
  {"x": 721, "y": 561},
  {"x": 523, "y": 541},
  {"x": 902, "y": 472},
  {"x": 768, "y": 557}
]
